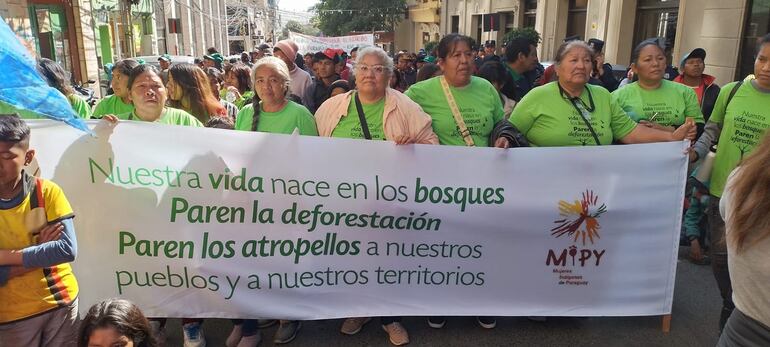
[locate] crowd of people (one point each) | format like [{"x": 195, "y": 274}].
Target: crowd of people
[{"x": 458, "y": 95}]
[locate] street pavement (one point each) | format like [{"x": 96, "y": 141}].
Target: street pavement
[{"x": 695, "y": 320}]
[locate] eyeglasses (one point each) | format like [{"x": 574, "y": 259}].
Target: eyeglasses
[{"x": 364, "y": 69}]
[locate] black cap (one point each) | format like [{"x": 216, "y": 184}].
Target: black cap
[
  {"x": 596, "y": 44},
  {"x": 695, "y": 53},
  {"x": 572, "y": 38}
]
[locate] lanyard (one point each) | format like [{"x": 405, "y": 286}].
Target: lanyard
[{"x": 583, "y": 110}]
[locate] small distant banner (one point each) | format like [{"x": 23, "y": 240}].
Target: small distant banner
[
  {"x": 312, "y": 44},
  {"x": 197, "y": 222}
]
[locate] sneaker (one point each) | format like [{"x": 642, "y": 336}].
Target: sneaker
[
  {"x": 235, "y": 336},
  {"x": 396, "y": 333},
  {"x": 287, "y": 331},
  {"x": 436, "y": 322},
  {"x": 159, "y": 332},
  {"x": 487, "y": 322},
  {"x": 250, "y": 341},
  {"x": 193, "y": 335},
  {"x": 266, "y": 323},
  {"x": 352, "y": 326}
]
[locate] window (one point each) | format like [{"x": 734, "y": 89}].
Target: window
[
  {"x": 147, "y": 23},
  {"x": 757, "y": 24},
  {"x": 657, "y": 18},
  {"x": 455, "y": 28},
  {"x": 509, "y": 19},
  {"x": 576, "y": 18},
  {"x": 530, "y": 12},
  {"x": 477, "y": 20}
]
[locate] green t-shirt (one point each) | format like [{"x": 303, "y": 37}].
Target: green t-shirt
[
  {"x": 548, "y": 119},
  {"x": 80, "y": 106},
  {"x": 350, "y": 124},
  {"x": 671, "y": 103},
  {"x": 479, "y": 104},
  {"x": 23, "y": 114},
  {"x": 170, "y": 116},
  {"x": 113, "y": 105},
  {"x": 292, "y": 116},
  {"x": 240, "y": 102},
  {"x": 744, "y": 124},
  {"x": 245, "y": 98}
]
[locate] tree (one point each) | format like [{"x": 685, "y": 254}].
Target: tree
[
  {"x": 430, "y": 46},
  {"x": 339, "y": 17},
  {"x": 526, "y": 33},
  {"x": 297, "y": 27}
]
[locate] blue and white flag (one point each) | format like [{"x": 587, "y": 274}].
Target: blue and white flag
[{"x": 22, "y": 87}]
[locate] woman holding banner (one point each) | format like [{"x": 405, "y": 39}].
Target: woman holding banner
[
  {"x": 653, "y": 100},
  {"x": 272, "y": 112},
  {"x": 465, "y": 111},
  {"x": 375, "y": 112},
  {"x": 148, "y": 95},
  {"x": 459, "y": 100},
  {"x": 386, "y": 113},
  {"x": 571, "y": 112}
]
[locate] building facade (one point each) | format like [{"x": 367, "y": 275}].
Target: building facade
[
  {"x": 726, "y": 29},
  {"x": 249, "y": 24},
  {"x": 84, "y": 35},
  {"x": 59, "y": 30},
  {"x": 421, "y": 25}
]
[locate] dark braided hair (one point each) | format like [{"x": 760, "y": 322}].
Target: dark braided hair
[{"x": 257, "y": 109}]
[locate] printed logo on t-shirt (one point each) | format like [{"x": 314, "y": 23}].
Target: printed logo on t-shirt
[
  {"x": 358, "y": 133},
  {"x": 477, "y": 124},
  {"x": 580, "y": 131},
  {"x": 748, "y": 131},
  {"x": 660, "y": 112}
]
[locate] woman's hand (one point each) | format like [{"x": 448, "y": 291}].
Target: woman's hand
[
  {"x": 111, "y": 118},
  {"x": 403, "y": 140},
  {"x": 51, "y": 232},
  {"x": 502, "y": 143},
  {"x": 687, "y": 131},
  {"x": 656, "y": 126}
]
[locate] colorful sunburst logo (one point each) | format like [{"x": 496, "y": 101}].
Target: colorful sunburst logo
[{"x": 579, "y": 219}]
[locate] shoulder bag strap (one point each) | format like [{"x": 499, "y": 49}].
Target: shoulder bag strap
[
  {"x": 456, "y": 113},
  {"x": 732, "y": 93},
  {"x": 362, "y": 118}
]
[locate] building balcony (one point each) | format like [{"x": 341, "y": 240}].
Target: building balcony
[{"x": 425, "y": 11}]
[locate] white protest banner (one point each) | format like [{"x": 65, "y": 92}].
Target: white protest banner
[
  {"x": 312, "y": 44},
  {"x": 195, "y": 222}
]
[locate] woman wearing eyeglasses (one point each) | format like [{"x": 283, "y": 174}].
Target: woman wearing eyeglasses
[
  {"x": 570, "y": 112},
  {"x": 374, "y": 111},
  {"x": 384, "y": 113}
]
